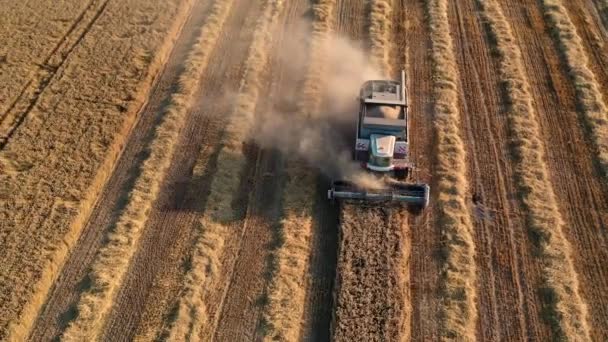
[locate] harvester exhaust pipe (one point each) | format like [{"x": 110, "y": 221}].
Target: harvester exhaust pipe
[{"x": 414, "y": 194}]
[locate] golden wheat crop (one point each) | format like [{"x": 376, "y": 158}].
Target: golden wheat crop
[
  {"x": 213, "y": 228},
  {"x": 41, "y": 58},
  {"x": 459, "y": 311},
  {"x": 59, "y": 158},
  {"x": 371, "y": 291},
  {"x": 22, "y": 57}
]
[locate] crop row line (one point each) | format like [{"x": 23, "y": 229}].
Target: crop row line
[{"x": 459, "y": 278}]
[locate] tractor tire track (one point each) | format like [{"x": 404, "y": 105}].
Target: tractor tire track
[
  {"x": 319, "y": 295},
  {"x": 17, "y": 112},
  {"x": 159, "y": 270},
  {"x": 246, "y": 297},
  {"x": 319, "y": 308}
]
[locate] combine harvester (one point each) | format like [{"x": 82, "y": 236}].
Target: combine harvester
[{"x": 382, "y": 147}]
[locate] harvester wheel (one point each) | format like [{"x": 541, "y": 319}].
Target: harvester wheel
[{"x": 401, "y": 174}]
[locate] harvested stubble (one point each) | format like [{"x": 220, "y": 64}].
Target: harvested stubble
[
  {"x": 287, "y": 289},
  {"x": 588, "y": 91},
  {"x": 569, "y": 313},
  {"x": 372, "y": 268},
  {"x": 112, "y": 261},
  {"x": 214, "y": 228},
  {"x": 459, "y": 278},
  {"x": 58, "y": 160}
]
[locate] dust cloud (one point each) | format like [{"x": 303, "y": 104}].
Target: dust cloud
[{"x": 317, "y": 121}]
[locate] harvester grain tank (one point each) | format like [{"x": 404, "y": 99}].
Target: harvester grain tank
[{"x": 382, "y": 147}]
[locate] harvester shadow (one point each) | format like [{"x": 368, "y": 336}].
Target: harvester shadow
[
  {"x": 324, "y": 263},
  {"x": 268, "y": 205},
  {"x": 193, "y": 195},
  {"x": 71, "y": 313},
  {"x": 272, "y": 186}
]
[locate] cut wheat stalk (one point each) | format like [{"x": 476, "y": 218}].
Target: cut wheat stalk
[
  {"x": 380, "y": 32},
  {"x": 459, "y": 279}
]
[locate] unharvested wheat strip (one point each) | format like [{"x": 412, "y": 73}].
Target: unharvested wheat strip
[
  {"x": 24, "y": 45},
  {"x": 380, "y": 32},
  {"x": 62, "y": 229},
  {"x": 587, "y": 88},
  {"x": 213, "y": 229},
  {"x": 112, "y": 261},
  {"x": 533, "y": 181},
  {"x": 47, "y": 69},
  {"x": 287, "y": 290},
  {"x": 459, "y": 313}
]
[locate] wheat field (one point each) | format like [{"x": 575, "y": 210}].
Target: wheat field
[{"x": 164, "y": 169}]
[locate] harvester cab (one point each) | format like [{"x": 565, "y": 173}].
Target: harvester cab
[{"x": 382, "y": 146}]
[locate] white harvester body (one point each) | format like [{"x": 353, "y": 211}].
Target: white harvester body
[{"x": 382, "y": 145}]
